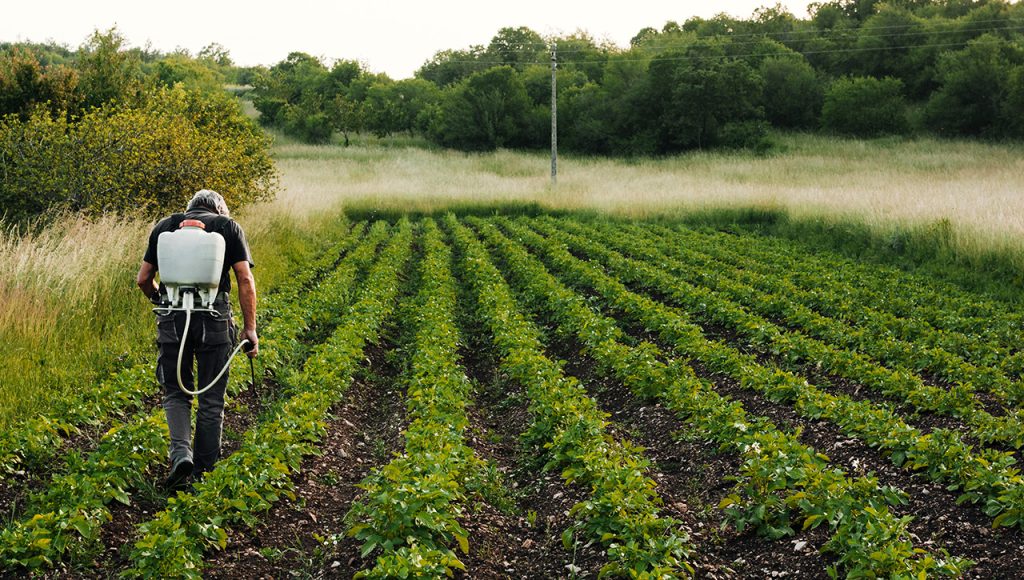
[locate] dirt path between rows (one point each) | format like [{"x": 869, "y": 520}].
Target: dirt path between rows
[
  {"x": 363, "y": 431},
  {"x": 692, "y": 480},
  {"x": 523, "y": 537}
]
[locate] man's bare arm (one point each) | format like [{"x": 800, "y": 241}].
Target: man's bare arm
[
  {"x": 247, "y": 300},
  {"x": 147, "y": 279}
]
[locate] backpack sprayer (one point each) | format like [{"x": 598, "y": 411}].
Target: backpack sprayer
[{"x": 191, "y": 261}]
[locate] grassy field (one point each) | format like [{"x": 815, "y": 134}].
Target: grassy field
[
  {"x": 69, "y": 311},
  {"x": 887, "y": 183}
]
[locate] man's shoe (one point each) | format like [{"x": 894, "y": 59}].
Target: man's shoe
[{"x": 179, "y": 476}]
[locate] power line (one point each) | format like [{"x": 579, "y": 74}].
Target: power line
[
  {"x": 833, "y": 31},
  {"x": 727, "y": 56},
  {"x": 852, "y": 34}
]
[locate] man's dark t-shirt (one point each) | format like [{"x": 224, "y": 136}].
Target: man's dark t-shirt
[{"x": 236, "y": 248}]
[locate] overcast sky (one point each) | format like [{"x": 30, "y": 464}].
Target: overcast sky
[{"x": 392, "y": 37}]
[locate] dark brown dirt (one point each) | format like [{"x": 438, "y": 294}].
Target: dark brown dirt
[
  {"x": 521, "y": 539},
  {"x": 365, "y": 429},
  {"x": 692, "y": 480},
  {"x": 939, "y": 523}
]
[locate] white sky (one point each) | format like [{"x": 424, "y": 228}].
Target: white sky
[{"x": 392, "y": 37}]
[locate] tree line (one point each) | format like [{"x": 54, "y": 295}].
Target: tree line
[{"x": 855, "y": 67}]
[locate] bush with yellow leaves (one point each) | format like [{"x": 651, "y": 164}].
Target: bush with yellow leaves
[{"x": 148, "y": 154}]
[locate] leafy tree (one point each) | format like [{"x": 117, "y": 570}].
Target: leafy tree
[
  {"x": 46, "y": 53},
  {"x": 698, "y": 92},
  {"x": 216, "y": 54},
  {"x": 448, "y": 67},
  {"x": 486, "y": 111},
  {"x": 609, "y": 118},
  {"x": 885, "y": 43},
  {"x": 107, "y": 72},
  {"x": 643, "y": 37},
  {"x": 829, "y": 16},
  {"x": 340, "y": 78},
  {"x": 537, "y": 80},
  {"x": 393, "y": 107},
  {"x": 865, "y": 106},
  {"x": 774, "y": 21},
  {"x": 579, "y": 52},
  {"x": 296, "y": 95},
  {"x": 975, "y": 83},
  {"x": 346, "y": 116},
  {"x": 1013, "y": 105},
  {"x": 793, "y": 93},
  {"x": 193, "y": 73},
  {"x": 517, "y": 47},
  {"x": 25, "y": 85}
]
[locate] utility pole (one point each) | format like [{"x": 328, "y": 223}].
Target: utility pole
[{"x": 554, "y": 116}]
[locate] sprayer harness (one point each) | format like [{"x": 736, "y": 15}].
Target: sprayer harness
[{"x": 191, "y": 265}]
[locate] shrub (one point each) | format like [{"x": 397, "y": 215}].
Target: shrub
[
  {"x": 865, "y": 106},
  {"x": 751, "y": 135},
  {"x": 483, "y": 112},
  {"x": 149, "y": 156},
  {"x": 792, "y": 92},
  {"x": 976, "y": 83}
]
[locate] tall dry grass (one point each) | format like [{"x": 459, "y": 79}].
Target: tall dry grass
[
  {"x": 63, "y": 292},
  {"x": 889, "y": 183}
]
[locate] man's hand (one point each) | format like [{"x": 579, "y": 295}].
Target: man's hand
[{"x": 253, "y": 348}]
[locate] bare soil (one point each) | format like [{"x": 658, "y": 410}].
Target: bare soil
[
  {"x": 692, "y": 479},
  {"x": 363, "y": 431},
  {"x": 522, "y": 539}
]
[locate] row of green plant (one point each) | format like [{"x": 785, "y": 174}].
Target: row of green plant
[
  {"x": 37, "y": 440},
  {"x": 622, "y": 511},
  {"x": 920, "y": 304},
  {"x": 324, "y": 307},
  {"x": 64, "y": 520},
  {"x": 987, "y": 476},
  {"x": 240, "y": 488},
  {"x": 823, "y": 312},
  {"x": 791, "y": 349},
  {"x": 780, "y": 479},
  {"x": 68, "y": 513},
  {"x": 33, "y": 443},
  {"x": 409, "y": 512}
]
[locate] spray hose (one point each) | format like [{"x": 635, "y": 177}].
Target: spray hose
[{"x": 181, "y": 352}]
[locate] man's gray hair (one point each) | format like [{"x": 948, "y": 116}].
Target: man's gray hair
[{"x": 211, "y": 200}]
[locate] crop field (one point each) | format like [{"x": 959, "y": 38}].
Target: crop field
[{"x": 560, "y": 396}]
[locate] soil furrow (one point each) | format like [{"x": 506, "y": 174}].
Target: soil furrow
[
  {"x": 517, "y": 531},
  {"x": 692, "y": 480},
  {"x": 363, "y": 431}
]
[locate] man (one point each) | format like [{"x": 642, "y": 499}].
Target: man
[{"x": 209, "y": 340}]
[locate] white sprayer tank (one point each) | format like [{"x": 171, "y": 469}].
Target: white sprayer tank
[{"x": 190, "y": 258}]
